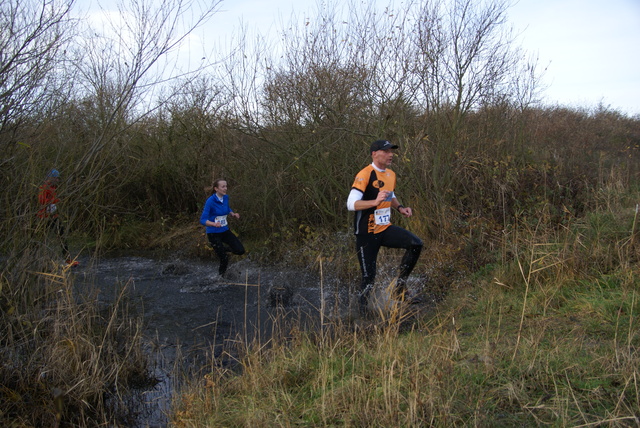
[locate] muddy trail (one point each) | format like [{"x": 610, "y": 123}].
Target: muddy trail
[{"x": 191, "y": 314}]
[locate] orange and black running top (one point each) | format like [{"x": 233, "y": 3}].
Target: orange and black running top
[{"x": 370, "y": 182}]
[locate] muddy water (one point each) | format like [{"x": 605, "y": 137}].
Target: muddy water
[{"x": 190, "y": 313}]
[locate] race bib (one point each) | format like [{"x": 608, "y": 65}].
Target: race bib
[
  {"x": 222, "y": 219},
  {"x": 383, "y": 216}
]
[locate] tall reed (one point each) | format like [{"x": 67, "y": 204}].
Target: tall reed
[{"x": 63, "y": 353}]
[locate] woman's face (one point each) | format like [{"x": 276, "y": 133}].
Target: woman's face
[{"x": 221, "y": 188}]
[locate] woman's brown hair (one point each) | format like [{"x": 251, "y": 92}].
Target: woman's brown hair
[{"x": 211, "y": 189}]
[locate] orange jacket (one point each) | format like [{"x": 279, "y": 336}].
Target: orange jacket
[{"x": 48, "y": 198}]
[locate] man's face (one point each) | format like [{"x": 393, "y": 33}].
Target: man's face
[{"x": 382, "y": 158}]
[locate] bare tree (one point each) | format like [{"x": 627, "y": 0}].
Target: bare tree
[
  {"x": 466, "y": 57},
  {"x": 124, "y": 66},
  {"x": 123, "y": 69},
  {"x": 441, "y": 57},
  {"x": 32, "y": 50}
]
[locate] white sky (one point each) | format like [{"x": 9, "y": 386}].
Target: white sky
[{"x": 590, "y": 48}]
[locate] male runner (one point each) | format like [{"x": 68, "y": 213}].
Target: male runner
[{"x": 372, "y": 197}]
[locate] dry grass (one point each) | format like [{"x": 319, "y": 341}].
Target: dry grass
[
  {"x": 548, "y": 338},
  {"x": 63, "y": 354}
]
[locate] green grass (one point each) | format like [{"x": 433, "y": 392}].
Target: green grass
[{"x": 543, "y": 343}]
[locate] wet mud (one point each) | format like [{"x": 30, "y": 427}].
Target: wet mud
[{"x": 191, "y": 314}]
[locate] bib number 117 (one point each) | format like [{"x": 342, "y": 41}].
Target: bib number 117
[{"x": 383, "y": 216}]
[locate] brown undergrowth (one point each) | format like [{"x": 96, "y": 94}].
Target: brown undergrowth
[{"x": 64, "y": 356}]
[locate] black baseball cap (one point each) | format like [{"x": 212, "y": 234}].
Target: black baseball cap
[{"x": 382, "y": 145}]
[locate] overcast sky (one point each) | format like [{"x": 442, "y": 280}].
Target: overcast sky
[{"x": 590, "y": 48}]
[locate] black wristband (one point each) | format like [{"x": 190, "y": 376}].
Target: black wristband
[{"x": 400, "y": 206}]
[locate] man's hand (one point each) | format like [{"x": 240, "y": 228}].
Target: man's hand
[
  {"x": 382, "y": 196},
  {"x": 405, "y": 211}
]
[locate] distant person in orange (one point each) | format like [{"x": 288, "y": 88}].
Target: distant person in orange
[{"x": 48, "y": 200}]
